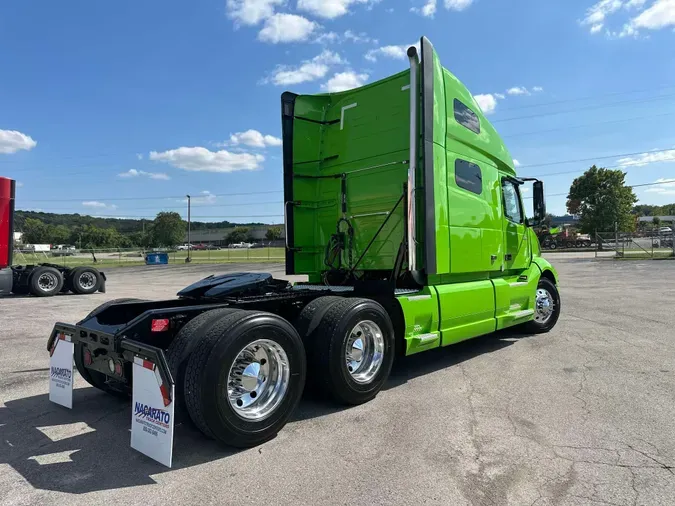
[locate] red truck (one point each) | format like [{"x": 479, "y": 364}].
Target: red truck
[{"x": 42, "y": 280}]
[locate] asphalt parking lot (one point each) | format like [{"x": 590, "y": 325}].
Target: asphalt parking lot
[{"x": 582, "y": 415}]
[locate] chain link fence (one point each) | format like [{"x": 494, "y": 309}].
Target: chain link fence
[
  {"x": 657, "y": 242},
  {"x": 135, "y": 256}
]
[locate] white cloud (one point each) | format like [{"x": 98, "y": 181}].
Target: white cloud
[
  {"x": 98, "y": 205},
  {"x": 161, "y": 176},
  {"x": 202, "y": 159},
  {"x": 362, "y": 37},
  {"x": 282, "y": 28},
  {"x": 597, "y": 13},
  {"x": 345, "y": 81},
  {"x": 251, "y": 12},
  {"x": 139, "y": 156},
  {"x": 487, "y": 102},
  {"x": 308, "y": 70},
  {"x": 329, "y": 9},
  {"x": 660, "y": 15},
  {"x": 500, "y": 96},
  {"x": 393, "y": 52},
  {"x": 254, "y": 139},
  {"x": 428, "y": 10},
  {"x": 327, "y": 38},
  {"x": 516, "y": 163},
  {"x": 665, "y": 187},
  {"x": 518, "y": 90},
  {"x": 204, "y": 197},
  {"x": 635, "y": 4},
  {"x": 12, "y": 141},
  {"x": 537, "y": 89},
  {"x": 457, "y": 5},
  {"x": 19, "y": 184},
  {"x": 667, "y": 155}
]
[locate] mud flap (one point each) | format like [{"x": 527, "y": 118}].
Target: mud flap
[
  {"x": 152, "y": 419},
  {"x": 61, "y": 371}
]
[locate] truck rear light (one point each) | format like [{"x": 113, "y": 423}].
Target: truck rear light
[
  {"x": 118, "y": 368},
  {"x": 111, "y": 365},
  {"x": 87, "y": 357},
  {"x": 160, "y": 325}
]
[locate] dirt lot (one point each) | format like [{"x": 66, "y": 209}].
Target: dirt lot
[{"x": 583, "y": 415}]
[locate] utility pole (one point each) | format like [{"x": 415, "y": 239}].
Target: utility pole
[{"x": 189, "y": 245}]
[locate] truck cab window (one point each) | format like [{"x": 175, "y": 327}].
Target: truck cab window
[{"x": 512, "y": 208}]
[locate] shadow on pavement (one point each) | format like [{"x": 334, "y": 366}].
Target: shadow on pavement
[{"x": 88, "y": 449}]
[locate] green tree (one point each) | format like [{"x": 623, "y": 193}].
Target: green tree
[
  {"x": 656, "y": 221},
  {"x": 168, "y": 229},
  {"x": 90, "y": 237},
  {"x": 35, "y": 232},
  {"x": 59, "y": 234},
  {"x": 273, "y": 234},
  {"x": 239, "y": 234},
  {"x": 601, "y": 199}
]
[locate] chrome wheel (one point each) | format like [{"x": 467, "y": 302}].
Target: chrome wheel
[
  {"x": 87, "y": 280},
  {"x": 365, "y": 351},
  {"x": 47, "y": 281},
  {"x": 258, "y": 380},
  {"x": 545, "y": 306}
]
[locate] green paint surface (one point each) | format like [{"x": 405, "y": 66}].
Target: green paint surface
[{"x": 487, "y": 266}]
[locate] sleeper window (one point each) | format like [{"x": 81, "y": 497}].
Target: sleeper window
[
  {"x": 468, "y": 176},
  {"x": 466, "y": 117}
]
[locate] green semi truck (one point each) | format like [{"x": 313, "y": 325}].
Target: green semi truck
[{"x": 404, "y": 211}]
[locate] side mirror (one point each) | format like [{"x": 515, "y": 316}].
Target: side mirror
[{"x": 539, "y": 201}]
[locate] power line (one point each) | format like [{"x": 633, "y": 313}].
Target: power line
[
  {"x": 119, "y": 199},
  {"x": 629, "y": 186},
  {"x": 579, "y": 99},
  {"x": 618, "y": 155},
  {"x": 587, "y": 108},
  {"x": 534, "y": 132}
]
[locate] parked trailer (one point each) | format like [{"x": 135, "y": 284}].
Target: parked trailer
[
  {"x": 42, "y": 280},
  {"x": 409, "y": 225}
]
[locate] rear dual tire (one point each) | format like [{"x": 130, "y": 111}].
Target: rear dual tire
[
  {"x": 243, "y": 377},
  {"x": 350, "y": 347}
]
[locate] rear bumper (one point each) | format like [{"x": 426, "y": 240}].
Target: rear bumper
[{"x": 104, "y": 347}]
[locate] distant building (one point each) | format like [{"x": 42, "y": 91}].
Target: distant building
[{"x": 650, "y": 219}]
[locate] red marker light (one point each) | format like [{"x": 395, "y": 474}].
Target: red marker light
[
  {"x": 87, "y": 357},
  {"x": 161, "y": 325},
  {"x": 118, "y": 368}
]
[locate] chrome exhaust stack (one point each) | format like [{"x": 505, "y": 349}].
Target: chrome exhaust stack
[{"x": 414, "y": 143}]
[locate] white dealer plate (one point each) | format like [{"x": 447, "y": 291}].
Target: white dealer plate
[
  {"x": 61, "y": 372},
  {"x": 151, "y": 414}
]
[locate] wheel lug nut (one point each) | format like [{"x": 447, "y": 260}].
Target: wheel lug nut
[
  {"x": 254, "y": 394},
  {"x": 263, "y": 361},
  {"x": 240, "y": 402}
]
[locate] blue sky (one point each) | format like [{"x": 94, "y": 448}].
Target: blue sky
[{"x": 121, "y": 108}]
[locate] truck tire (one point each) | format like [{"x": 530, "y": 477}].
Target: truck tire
[
  {"x": 45, "y": 282},
  {"x": 552, "y": 245},
  {"x": 245, "y": 377},
  {"x": 351, "y": 351},
  {"x": 180, "y": 349},
  {"x": 311, "y": 315},
  {"x": 547, "y": 308},
  {"x": 84, "y": 280}
]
